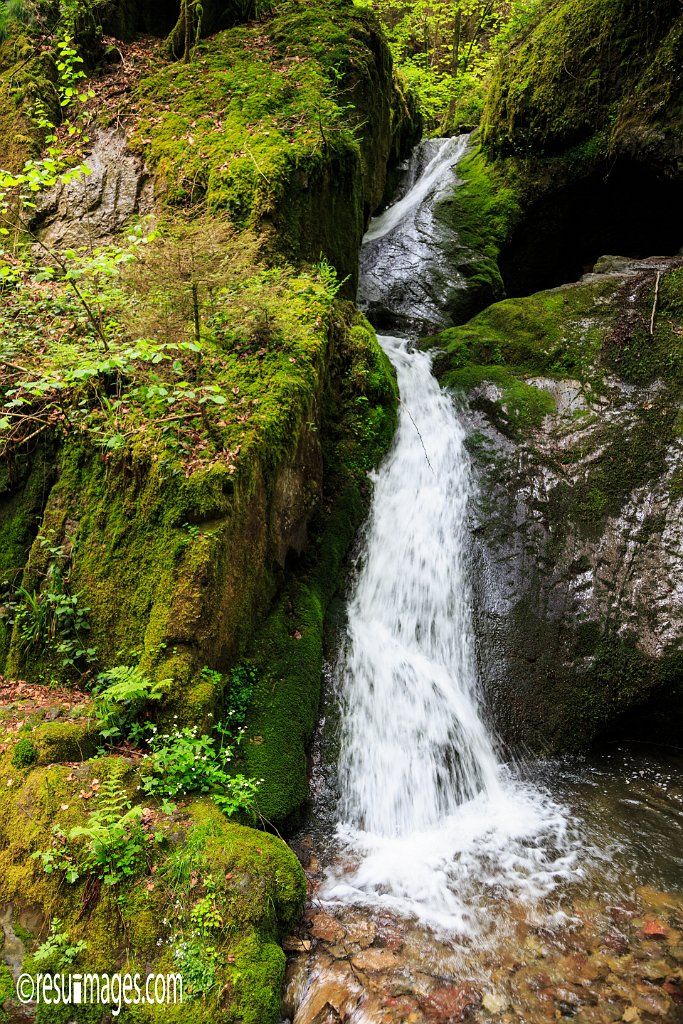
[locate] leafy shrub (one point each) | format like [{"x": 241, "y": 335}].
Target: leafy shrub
[
  {"x": 183, "y": 762},
  {"x": 25, "y": 754}
]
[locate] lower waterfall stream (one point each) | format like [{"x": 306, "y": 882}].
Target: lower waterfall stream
[
  {"x": 425, "y": 803},
  {"x": 445, "y": 883}
]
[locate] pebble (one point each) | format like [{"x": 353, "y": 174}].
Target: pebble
[
  {"x": 375, "y": 960},
  {"x": 326, "y": 928}
]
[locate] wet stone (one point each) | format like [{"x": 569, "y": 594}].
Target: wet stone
[
  {"x": 450, "y": 1003},
  {"x": 293, "y": 944},
  {"x": 361, "y": 933},
  {"x": 494, "y": 1003},
  {"x": 375, "y": 960},
  {"x": 327, "y": 928},
  {"x": 389, "y": 935}
]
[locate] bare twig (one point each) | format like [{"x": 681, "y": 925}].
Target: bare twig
[
  {"x": 256, "y": 164},
  {"x": 418, "y": 433},
  {"x": 89, "y": 313},
  {"x": 654, "y": 304}
]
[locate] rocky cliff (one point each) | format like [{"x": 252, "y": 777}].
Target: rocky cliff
[
  {"x": 574, "y": 399},
  {"x": 575, "y": 391}
]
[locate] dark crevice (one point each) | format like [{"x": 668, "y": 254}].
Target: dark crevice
[
  {"x": 654, "y": 721},
  {"x": 628, "y": 212}
]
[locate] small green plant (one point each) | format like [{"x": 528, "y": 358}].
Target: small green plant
[
  {"x": 58, "y": 952},
  {"x": 51, "y": 618},
  {"x": 183, "y": 762},
  {"x": 198, "y": 964},
  {"x": 328, "y": 277},
  {"x": 25, "y": 754},
  {"x": 241, "y": 682},
  {"x": 121, "y": 695},
  {"x": 112, "y": 847},
  {"x": 205, "y": 915}
]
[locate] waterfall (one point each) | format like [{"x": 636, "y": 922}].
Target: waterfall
[
  {"x": 404, "y": 277},
  {"x": 429, "y": 817},
  {"x": 414, "y": 746}
]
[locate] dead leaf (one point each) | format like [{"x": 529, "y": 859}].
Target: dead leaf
[{"x": 655, "y": 929}]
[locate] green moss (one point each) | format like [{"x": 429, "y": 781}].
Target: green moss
[
  {"x": 557, "y": 333},
  {"x": 576, "y": 74},
  {"x": 290, "y": 95},
  {"x": 24, "y": 753},
  {"x": 7, "y": 989},
  {"x": 520, "y": 405},
  {"x": 482, "y": 210},
  {"x": 620, "y": 677},
  {"x": 634, "y": 352},
  {"x": 176, "y": 568},
  {"x": 583, "y": 332},
  {"x": 253, "y": 878},
  {"x": 24, "y": 76},
  {"x": 288, "y": 650},
  {"x": 62, "y": 742},
  {"x": 257, "y": 981},
  {"x": 23, "y": 490}
]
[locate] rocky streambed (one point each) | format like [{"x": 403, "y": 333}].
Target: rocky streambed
[{"x": 606, "y": 945}]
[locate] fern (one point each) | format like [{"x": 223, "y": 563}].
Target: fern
[
  {"x": 111, "y": 847},
  {"x": 114, "y": 838},
  {"x": 121, "y": 694}
]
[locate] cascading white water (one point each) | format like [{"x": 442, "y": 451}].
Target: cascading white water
[
  {"x": 414, "y": 746},
  {"x": 447, "y": 153},
  {"x": 429, "y": 816}
]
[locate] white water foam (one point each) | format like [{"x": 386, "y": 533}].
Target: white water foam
[
  {"x": 430, "y": 819},
  {"x": 448, "y": 153}
]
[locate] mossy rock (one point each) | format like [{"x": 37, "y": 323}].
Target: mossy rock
[
  {"x": 24, "y": 754},
  {"x": 317, "y": 81},
  {"x": 576, "y": 393},
  {"x": 65, "y": 742},
  {"x": 252, "y": 879},
  {"x": 587, "y": 71}
]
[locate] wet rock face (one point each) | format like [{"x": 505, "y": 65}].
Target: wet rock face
[
  {"x": 416, "y": 271},
  {"x": 90, "y": 210},
  {"x": 578, "y": 530}
]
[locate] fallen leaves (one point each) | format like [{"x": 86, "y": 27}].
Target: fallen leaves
[{"x": 655, "y": 929}]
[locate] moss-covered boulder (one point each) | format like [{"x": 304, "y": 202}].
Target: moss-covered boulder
[
  {"x": 183, "y": 467},
  {"x": 209, "y": 900},
  {"x": 286, "y": 125},
  {"x": 575, "y": 430},
  {"x": 604, "y": 75}
]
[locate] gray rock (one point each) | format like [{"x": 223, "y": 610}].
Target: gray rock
[
  {"x": 92, "y": 209},
  {"x": 578, "y": 618},
  {"x": 415, "y": 270}
]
